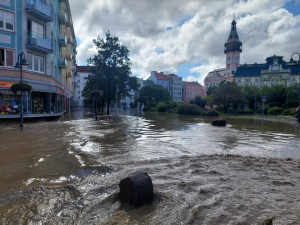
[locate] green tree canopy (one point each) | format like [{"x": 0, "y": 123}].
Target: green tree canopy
[
  {"x": 151, "y": 95},
  {"x": 228, "y": 94},
  {"x": 198, "y": 101},
  {"x": 113, "y": 67}
]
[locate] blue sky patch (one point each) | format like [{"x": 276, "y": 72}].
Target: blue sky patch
[{"x": 293, "y": 7}]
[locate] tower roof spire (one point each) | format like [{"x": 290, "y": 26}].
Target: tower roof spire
[{"x": 233, "y": 43}]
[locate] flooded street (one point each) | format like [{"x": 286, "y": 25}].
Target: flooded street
[{"x": 67, "y": 171}]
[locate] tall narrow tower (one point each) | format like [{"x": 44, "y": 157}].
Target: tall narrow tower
[{"x": 232, "y": 49}]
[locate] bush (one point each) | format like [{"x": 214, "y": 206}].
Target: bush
[
  {"x": 245, "y": 111},
  {"x": 212, "y": 113},
  {"x": 273, "y": 104},
  {"x": 162, "y": 107},
  {"x": 189, "y": 109},
  {"x": 170, "y": 107},
  {"x": 289, "y": 112},
  {"x": 275, "y": 110}
]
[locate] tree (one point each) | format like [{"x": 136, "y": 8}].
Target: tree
[
  {"x": 151, "y": 95},
  {"x": 251, "y": 94},
  {"x": 228, "y": 94},
  {"x": 211, "y": 90},
  {"x": 198, "y": 101},
  {"x": 113, "y": 68}
]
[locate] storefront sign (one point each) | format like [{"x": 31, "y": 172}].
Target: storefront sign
[{"x": 6, "y": 84}]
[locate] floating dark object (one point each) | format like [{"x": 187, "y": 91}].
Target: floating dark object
[
  {"x": 137, "y": 189},
  {"x": 219, "y": 122}
]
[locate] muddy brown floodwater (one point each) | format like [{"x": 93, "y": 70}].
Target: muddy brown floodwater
[{"x": 67, "y": 171}]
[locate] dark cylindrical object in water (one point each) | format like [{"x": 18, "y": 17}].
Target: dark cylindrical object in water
[
  {"x": 137, "y": 189},
  {"x": 219, "y": 122}
]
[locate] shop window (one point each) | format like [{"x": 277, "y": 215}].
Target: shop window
[
  {"x": 6, "y": 57},
  {"x": 7, "y": 20}
]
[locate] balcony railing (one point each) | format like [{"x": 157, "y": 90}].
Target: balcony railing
[
  {"x": 38, "y": 43},
  {"x": 62, "y": 40},
  {"x": 62, "y": 18},
  {"x": 39, "y": 10},
  {"x": 62, "y": 62}
]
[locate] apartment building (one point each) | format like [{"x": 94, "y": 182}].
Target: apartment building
[
  {"x": 191, "y": 90},
  {"x": 171, "y": 82},
  {"x": 42, "y": 33}
]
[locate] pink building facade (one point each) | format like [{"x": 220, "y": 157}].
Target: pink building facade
[
  {"x": 232, "y": 49},
  {"x": 191, "y": 90}
]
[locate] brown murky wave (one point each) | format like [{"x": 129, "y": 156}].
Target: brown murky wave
[{"x": 213, "y": 189}]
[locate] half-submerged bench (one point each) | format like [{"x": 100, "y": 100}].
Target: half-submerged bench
[{"x": 137, "y": 189}]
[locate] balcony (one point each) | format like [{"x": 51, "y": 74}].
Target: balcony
[
  {"x": 62, "y": 18},
  {"x": 39, "y": 10},
  {"x": 62, "y": 40},
  {"x": 40, "y": 44},
  {"x": 62, "y": 62}
]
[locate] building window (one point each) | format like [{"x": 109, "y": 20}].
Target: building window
[
  {"x": 7, "y": 20},
  {"x": 36, "y": 63},
  {"x": 6, "y": 57},
  {"x": 36, "y": 29}
]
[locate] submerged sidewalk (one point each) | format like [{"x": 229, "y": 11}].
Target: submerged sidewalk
[{"x": 40, "y": 115}]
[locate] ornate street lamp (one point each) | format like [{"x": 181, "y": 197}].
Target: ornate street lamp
[
  {"x": 292, "y": 61},
  {"x": 21, "y": 61}
]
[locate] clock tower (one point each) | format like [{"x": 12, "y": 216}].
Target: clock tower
[{"x": 232, "y": 49}]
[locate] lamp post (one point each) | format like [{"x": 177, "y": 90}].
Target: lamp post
[
  {"x": 292, "y": 61},
  {"x": 21, "y": 61}
]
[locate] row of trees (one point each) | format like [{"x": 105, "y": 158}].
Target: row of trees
[
  {"x": 229, "y": 97},
  {"x": 228, "y": 94}
]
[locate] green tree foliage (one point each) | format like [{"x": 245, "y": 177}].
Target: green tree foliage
[
  {"x": 113, "y": 67},
  {"x": 228, "y": 94},
  {"x": 211, "y": 90},
  {"x": 198, "y": 101},
  {"x": 251, "y": 94},
  {"x": 151, "y": 95}
]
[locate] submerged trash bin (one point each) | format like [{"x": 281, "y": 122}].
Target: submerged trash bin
[
  {"x": 219, "y": 122},
  {"x": 137, "y": 189}
]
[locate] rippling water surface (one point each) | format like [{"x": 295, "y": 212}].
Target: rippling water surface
[{"x": 68, "y": 171}]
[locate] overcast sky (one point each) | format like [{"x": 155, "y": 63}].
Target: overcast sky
[{"x": 187, "y": 37}]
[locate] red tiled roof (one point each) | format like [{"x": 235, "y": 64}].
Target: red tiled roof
[
  {"x": 160, "y": 76},
  {"x": 84, "y": 69},
  {"x": 192, "y": 83}
]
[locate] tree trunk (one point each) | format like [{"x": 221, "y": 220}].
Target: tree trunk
[{"x": 108, "y": 103}]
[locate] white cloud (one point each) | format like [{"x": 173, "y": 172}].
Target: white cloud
[{"x": 186, "y": 31}]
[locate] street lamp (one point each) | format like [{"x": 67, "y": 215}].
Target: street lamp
[
  {"x": 292, "y": 61},
  {"x": 21, "y": 61}
]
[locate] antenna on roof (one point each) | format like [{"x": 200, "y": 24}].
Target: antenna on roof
[{"x": 234, "y": 16}]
